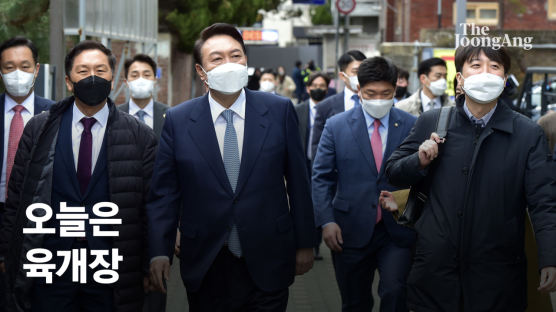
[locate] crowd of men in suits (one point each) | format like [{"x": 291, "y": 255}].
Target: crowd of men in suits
[{"x": 250, "y": 183}]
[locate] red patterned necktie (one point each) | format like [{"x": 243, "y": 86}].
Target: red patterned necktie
[{"x": 16, "y": 130}]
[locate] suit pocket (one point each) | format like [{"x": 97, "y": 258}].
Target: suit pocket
[
  {"x": 340, "y": 204},
  {"x": 284, "y": 223}
]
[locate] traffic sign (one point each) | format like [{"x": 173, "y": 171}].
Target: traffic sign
[{"x": 345, "y": 6}]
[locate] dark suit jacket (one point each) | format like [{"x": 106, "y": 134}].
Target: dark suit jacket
[
  {"x": 326, "y": 109},
  {"x": 41, "y": 105},
  {"x": 303, "y": 115},
  {"x": 159, "y": 111},
  {"x": 344, "y": 162},
  {"x": 190, "y": 184}
]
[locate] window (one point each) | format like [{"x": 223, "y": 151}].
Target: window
[
  {"x": 551, "y": 9},
  {"x": 484, "y": 13}
]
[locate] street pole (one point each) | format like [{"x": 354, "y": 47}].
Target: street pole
[
  {"x": 346, "y": 33},
  {"x": 461, "y": 11},
  {"x": 337, "y": 39},
  {"x": 439, "y": 13},
  {"x": 56, "y": 48}
]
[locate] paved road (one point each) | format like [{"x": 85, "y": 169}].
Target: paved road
[{"x": 312, "y": 292}]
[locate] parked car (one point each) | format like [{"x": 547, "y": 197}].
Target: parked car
[{"x": 536, "y": 98}]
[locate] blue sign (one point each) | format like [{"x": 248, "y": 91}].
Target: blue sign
[{"x": 318, "y": 2}]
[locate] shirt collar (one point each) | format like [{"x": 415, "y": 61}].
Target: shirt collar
[
  {"x": 134, "y": 108},
  {"x": 28, "y": 103},
  {"x": 101, "y": 116},
  {"x": 348, "y": 93},
  {"x": 485, "y": 119},
  {"x": 370, "y": 119},
  {"x": 312, "y": 104},
  {"x": 238, "y": 107},
  {"x": 425, "y": 100}
]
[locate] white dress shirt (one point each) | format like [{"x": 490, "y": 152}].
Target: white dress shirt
[
  {"x": 98, "y": 130},
  {"x": 348, "y": 101},
  {"x": 428, "y": 103},
  {"x": 26, "y": 114},
  {"x": 312, "y": 114},
  {"x": 149, "y": 117},
  {"x": 220, "y": 122}
]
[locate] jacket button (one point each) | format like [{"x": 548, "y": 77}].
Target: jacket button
[
  {"x": 460, "y": 213},
  {"x": 235, "y": 201},
  {"x": 465, "y": 170}
]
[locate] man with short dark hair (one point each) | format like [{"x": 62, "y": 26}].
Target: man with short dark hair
[
  {"x": 230, "y": 168},
  {"x": 343, "y": 101},
  {"x": 482, "y": 179},
  {"x": 268, "y": 81},
  {"x": 401, "y": 85},
  {"x": 140, "y": 75},
  {"x": 317, "y": 86},
  {"x": 19, "y": 67},
  {"x": 432, "y": 75},
  {"x": 348, "y": 178},
  {"x": 80, "y": 153}
]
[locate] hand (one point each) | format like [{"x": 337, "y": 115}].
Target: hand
[
  {"x": 2, "y": 267},
  {"x": 147, "y": 285},
  {"x": 332, "y": 236},
  {"x": 548, "y": 279},
  {"x": 428, "y": 151},
  {"x": 160, "y": 269},
  {"x": 387, "y": 201},
  {"x": 177, "y": 246},
  {"x": 303, "y": 260}
]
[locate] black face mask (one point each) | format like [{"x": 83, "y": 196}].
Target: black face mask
[
  {"x": 318, "y": 94},
  {"x": 92, "y": 90},
  {"x": 400, "y": 92}
]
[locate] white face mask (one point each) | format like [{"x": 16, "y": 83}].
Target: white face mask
[
  {"x": 438, "y": 87},
  {"x": 483, "y": 88},
  {"x": 227, "y": 78},
  {"x": 353, "y": 82},
  {"x": 267, "y": 86},
  {"x": 141, "y": 88},
  {"x": 377, "y": 108},
  {"x": 18, "y": 83}
]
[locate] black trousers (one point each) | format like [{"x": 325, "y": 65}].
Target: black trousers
[{"x": 227, "y": 286}]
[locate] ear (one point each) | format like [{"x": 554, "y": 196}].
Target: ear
[
  {"x": 459, "y": 77},
  {"x": 69, "y": 84},
  {"x": 201, "y": 73},
  {"x": 37, "y": 70},
  {"x": 422, "y": 79}
]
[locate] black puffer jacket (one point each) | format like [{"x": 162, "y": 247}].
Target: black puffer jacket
[{"x": 130, "y": 151}]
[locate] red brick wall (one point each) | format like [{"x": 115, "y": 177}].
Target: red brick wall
[{"x": 516, "y": 15}]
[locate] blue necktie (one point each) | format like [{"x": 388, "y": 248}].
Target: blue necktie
[
  {"x": 232, "y": 164},
  {"x": 355, "y": 98},
  {"x": 141, "y": 114}
]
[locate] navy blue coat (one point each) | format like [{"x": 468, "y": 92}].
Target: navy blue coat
[
  {"x": 190, "y": 185},
  {"x": 345, "y": 162}
]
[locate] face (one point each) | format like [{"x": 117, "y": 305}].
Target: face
[
  {"x": 437, "y": 72},
  {"x": 20, "y": 57},
  {"x": 218, "y": 50},
  {"x": 268, "y": 77},
  {"x": 88, "y": 63},
  {"x": 140, "y": 70},
  {"x": 351, "y": 70},
  {"x": 402, "y": 82},
  {"x": 378, "y": 90},
  {"x": 318, "y": 83},
  {"x": 478, "y": 65}
]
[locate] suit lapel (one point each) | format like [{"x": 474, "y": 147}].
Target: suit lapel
[
  {"x": 2, "y": 109},
  {"x": 39, "y": 106},
  {"x": 304, "y": 124},
  {"x": 255, "y": 131},
  {"x": 203, "y": 134},
  {"x": 64, "y": 138},
  {"x": 158, "y": 118},
  {"x": 394, "y": 136},
  {"x": 361, "y": 135}
]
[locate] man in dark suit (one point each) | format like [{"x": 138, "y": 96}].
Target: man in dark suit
[
  {"x": 343, "y": 101},
  {"x": 19, "y": 67},
  {"x": 230, "y": 167},
  {"x": 140, "y": 75},
  {"x": 317, "y": 85},
  {"x": 80, "y": 153},
  {"x": 350, "y": 159}
]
